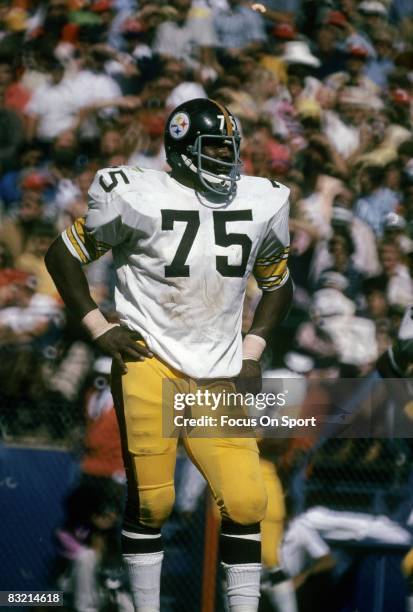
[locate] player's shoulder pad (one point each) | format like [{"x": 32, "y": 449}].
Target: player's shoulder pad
[
  {"x": 269, "y": 190},
  {"x": 115, "y": 181}
]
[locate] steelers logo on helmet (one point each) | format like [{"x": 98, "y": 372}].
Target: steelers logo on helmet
[{"x": 179, "y": 125}]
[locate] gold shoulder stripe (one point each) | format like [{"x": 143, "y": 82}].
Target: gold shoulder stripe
[
  {"x": 76, "y": 246},
  {"x": 79, "y": 232},
  {"x": 94, "y": 248}
]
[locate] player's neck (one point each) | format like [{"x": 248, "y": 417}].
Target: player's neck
[{"x": 196, "y": 185}]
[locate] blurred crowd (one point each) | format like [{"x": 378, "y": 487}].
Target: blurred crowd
[{"x": 323, "y": 92}]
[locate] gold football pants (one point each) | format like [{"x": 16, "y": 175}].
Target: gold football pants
[
  {"x": 272, "y": 527},
  {"x": 230, "y": 465}
]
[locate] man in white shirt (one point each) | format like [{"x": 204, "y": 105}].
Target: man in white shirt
[
  {"x": 55, "y": 105},
  {"x": 190, "y": 36}
]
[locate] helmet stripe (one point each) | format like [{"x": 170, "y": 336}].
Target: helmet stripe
[{"x": 228, "y": 121}]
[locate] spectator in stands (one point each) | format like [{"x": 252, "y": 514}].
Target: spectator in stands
[
  {"x": 185, "y": 81},
  {"x": 395, "y": 275},
  {"x": 320, "y": 185},
  {"x": 345, "y": 123},
  {"x": 52, "y": 109},
  {"x": 32, "y": 259},
  {"x": 239, "y": 28},
  {"x": 332, "y": 58},
  {"x": 365, "y": 250},
  {"x": 15, "y": 95},
  {"x": 373, "y": 16},
  {"x": 377, "y": 307},
  {"x": 264, "y": 155},
  {"x": 110, "y": 144},
  {"x": 379, "y": 67},
  {"x": 15, "y": 233},
  {"x": 150, "y": 153},
  {"x": 53, "y": 18},
  {"x": 11, "y": 182},
  {"x": 29, "y": 314},
  {"x": 11, "y": 133},
  {"x": 342, "y": 248},
  {"x": 376, "y": 201},
  {"x": 189, "y": 36},
  {"x": 354, "y": 73}
]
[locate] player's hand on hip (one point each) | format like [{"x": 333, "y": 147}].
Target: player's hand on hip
[
  {"x": 250, "y": 378},
  {"x": 121, "y": 344}
]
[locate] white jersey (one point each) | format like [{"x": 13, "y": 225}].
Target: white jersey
[{"x": 182, "y": 265}]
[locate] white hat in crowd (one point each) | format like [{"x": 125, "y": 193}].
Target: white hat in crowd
[
  {"x": 373, "y": 8},
  {"x": 298, "y": 52}
]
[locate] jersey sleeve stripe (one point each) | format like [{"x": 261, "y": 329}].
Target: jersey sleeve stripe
[
  {"x": 265, "y": 272},
  {"x": 274, "y": 284},
  {"x": 79, "y": 241},
  {"x": 86, "y": 240},
  {"x": 71, "y": 248},
  {"x": 92, "y": 248},
  {"x": 270, "y": 279},
  {"x": 277, "y": 267},
  {"x": 80, "y": 225},
  {"x": 76, "y": 247}
]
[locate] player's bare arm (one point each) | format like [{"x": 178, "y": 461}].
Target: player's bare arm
[
  {"x": 271, "y": 311},
  {"x": 73, "y": 288}
]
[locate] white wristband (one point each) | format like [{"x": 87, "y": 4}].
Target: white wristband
[
  {"x": 253, "y": 347},
  {"x": 96, "y": 324}
]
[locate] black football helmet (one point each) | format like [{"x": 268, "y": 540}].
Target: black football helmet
[{"x": 194, "y": 124}]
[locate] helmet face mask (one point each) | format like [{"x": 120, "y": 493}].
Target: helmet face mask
[
  {"x": 223, "y": 180},
  {"x": 193, "y": 130}
]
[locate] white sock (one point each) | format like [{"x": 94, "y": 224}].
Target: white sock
[
  {"x": 243, "y": 586},
  {"x": 145, "y": 580},
  {"x": 282, "y": 596}
]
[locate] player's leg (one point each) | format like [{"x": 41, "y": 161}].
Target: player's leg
[
  {"x": 278, "y": 587},
  {"x": 231, "y": 467},
  {"x": 149, "y": 462}
]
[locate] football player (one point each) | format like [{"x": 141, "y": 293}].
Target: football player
[{"x": 184, "y": 244}]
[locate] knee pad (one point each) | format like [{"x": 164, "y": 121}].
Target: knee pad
[
  {"x": 245, "y": 507},
  {"x": 155, "y": 505}
]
